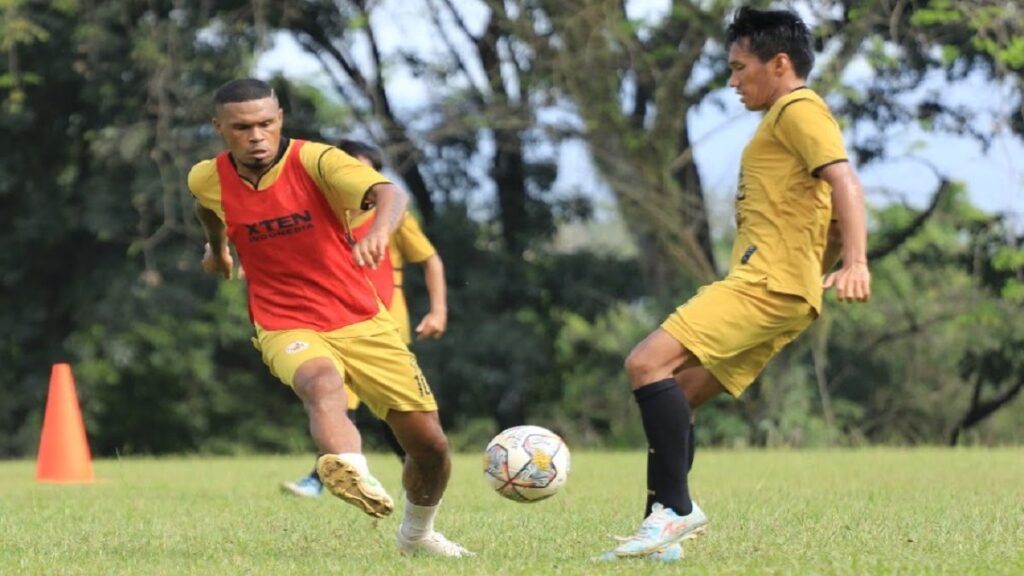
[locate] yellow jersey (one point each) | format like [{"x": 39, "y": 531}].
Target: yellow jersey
[{"x": 783, "y": 208}]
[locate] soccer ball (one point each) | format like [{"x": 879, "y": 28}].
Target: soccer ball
[{"x": 526, "y": 463}]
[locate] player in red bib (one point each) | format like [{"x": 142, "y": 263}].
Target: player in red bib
[{"x": 281, "y": 202}]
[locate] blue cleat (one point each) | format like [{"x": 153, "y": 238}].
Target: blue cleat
[
  {"x": 660, "y": 530},
  {"x": 307, "y": 487}
]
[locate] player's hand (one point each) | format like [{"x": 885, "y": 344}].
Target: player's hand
[
  {"x": 221, "y": 263},
  {"x": 432, "y": 325},
  {"x": 852, "y": 282},
  {"x": 372, "y": 248}
]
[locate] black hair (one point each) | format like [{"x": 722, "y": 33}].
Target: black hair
[
  {"x": 356, "y": 148},
  {"x": 771, "y": 32},
  {"x": 243, "y": 90}
]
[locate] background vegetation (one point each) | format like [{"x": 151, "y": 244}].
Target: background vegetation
[{"x": 105, "y": 105}]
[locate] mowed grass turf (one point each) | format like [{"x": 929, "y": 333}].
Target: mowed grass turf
[{"x": 874, "y": 511}]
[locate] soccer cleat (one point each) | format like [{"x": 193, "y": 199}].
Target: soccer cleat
[
  {"x": 670, "y": 553},
  {"x": 345, "y": 481},
  {"x": 433, "y": 544},
  {"x": 662, "y": 528},
  {"x": 307, "y": 487}
]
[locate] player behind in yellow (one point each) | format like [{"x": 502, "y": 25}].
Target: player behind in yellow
[{"x": 408, "y": 245}]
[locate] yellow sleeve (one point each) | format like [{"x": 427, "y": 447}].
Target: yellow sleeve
[
  {"x": 343, "y": 179},
  {"x": 411, "y": 242},
  {"x": 807, "y": 128},
  {"x": 204, "y": 184}
]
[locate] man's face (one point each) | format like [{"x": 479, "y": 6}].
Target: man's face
[
  {"x": 251, "y": 130},
  {"x": 756, "y": 82}
]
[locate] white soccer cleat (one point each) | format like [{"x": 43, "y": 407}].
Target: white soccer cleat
[
  {"x": 660, "y": 529},
  {"x": 433, "y": 544}
]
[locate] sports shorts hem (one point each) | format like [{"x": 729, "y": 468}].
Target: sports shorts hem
[{"x": 681, "y": 331}]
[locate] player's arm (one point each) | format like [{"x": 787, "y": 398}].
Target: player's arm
[
  {"x": 434, "y": 324},
  {"x": 390, "y": 201},
  {"x": 853, "y": 280},
  {"x": 216, "y": 254},
  {"x": 351, "y": 185}
]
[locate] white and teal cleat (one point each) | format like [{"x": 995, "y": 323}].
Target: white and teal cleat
[
  {"x": 670, "y": 553},
  {"x": 660, "y": 529}
]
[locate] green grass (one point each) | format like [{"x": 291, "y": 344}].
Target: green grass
[{"x": 878, "y": 511}]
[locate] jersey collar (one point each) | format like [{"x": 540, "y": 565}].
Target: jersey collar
[{"x": 282, "y": 148}]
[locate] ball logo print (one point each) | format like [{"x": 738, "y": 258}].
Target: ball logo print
[{"x": 526, "y": 463}]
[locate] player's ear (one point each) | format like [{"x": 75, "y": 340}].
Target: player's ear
[{"x": 781, "y": 63}]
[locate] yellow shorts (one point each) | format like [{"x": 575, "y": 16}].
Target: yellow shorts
[
  {"x": 376, "y": 366},
  {"x": 400, "y": 314},
  {"x": 735, "y": 327}
]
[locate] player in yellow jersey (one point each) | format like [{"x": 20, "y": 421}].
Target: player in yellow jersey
[
  {"x": 408, "y": 244},
  {"x": 794, "y": 171},
  {"x": 281, "y": 203}
]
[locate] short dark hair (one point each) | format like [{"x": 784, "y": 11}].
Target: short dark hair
[
  {"x": 356, "y": 148},
  {"x": 243, "y": 90},
  {"x": 771, "y": 32}
]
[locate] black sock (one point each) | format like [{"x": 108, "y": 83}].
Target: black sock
[
  {"x": 666, "y": 417},
  {"x": 314, "y": 473},
  {"x": 693, "y": 449}
]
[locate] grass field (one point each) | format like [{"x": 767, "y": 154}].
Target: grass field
[{"x": 878, "y": 511}]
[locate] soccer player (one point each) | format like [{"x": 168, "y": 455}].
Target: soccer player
[
  {"x": 281, "y": 202},
  {"x": 793, "y": 172},
  {"x": 408, "y": 244}
]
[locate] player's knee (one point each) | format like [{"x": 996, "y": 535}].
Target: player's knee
[
  {"x": 428, "y": 445},
  {"x": 318, "y": 383},
  {"x": 637, "y": 365},
  {"x": 430, "y": 449}
]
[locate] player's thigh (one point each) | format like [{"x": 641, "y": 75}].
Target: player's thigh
[
  {"x": 655, "y": 358},
  {"x": 385, "y": 374},
  {"x": 740, "y": 371},
  {"x": 284, "y": 351},
  {"x": 698, "y": 384},
  {"x": 734, "y": 327}
]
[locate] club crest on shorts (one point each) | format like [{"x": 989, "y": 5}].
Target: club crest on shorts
[{"x": 296, "y": 347}]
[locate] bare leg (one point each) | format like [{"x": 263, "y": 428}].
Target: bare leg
[
  {"x": 699, "y": 385},
  {"x": 656, "y": 358},
  {"x": 320, "y": 387},
  {"x": 427, "y": 462}
]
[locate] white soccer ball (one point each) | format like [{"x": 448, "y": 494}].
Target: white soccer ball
[{"x": 526, "y": 463}]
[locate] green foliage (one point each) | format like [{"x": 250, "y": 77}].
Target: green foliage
[{"x": 108, "y": 108}]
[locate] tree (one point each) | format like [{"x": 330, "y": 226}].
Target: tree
[{"x": 109, "y": 105}]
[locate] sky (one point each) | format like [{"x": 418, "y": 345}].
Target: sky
[{"x": 995, "y": 178}]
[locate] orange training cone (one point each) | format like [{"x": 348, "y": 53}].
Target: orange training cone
[{"x": 63, "y": 451}]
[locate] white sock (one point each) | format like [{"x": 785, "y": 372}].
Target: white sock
[
  {"x": 418, "y": 520},
  {"x": 358, "y": 460}
]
